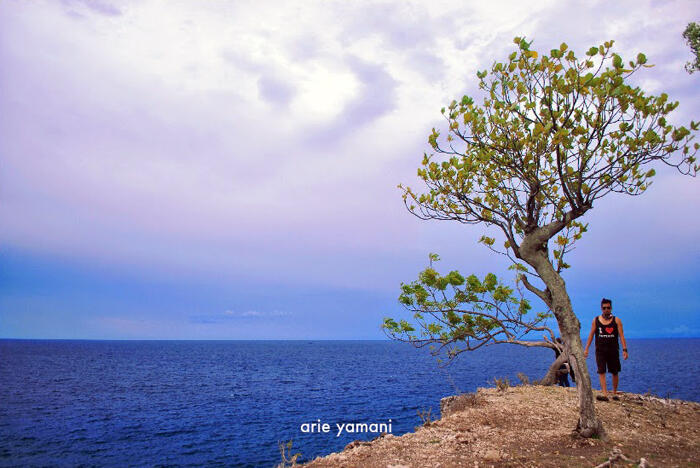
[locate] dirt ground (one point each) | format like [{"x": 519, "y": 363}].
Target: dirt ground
[{"x": 531, "y": 426}]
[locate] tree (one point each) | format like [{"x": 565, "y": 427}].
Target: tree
[
  {"x": 692, "y": 38},
  {"x": 553, "y": 134}
]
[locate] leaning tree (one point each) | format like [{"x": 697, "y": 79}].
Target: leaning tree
[{"x": 553, "y": 134}]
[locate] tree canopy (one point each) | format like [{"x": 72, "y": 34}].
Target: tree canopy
[{"x": 553, "y": 134}]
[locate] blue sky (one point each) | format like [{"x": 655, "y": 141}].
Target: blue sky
[{"x": 228, "y": 170}]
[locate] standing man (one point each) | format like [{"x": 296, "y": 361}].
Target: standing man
[{"x": 606, "y": 329}]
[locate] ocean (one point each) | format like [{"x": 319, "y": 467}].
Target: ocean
[{"x": 229, "y": 403}]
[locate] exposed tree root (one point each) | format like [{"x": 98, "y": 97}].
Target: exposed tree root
[{"x": 617, "y": 455}]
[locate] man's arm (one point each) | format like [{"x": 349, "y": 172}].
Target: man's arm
[
  {"x": 625, "y": 355},
  {"x": 590, "y": 338}
]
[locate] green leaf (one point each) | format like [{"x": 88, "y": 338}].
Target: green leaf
[
  {"x": 617, "y": 61},
  {"x": 487, "y": 240}
]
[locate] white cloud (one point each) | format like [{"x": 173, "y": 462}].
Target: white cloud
[{"x": 256, "y": 313}]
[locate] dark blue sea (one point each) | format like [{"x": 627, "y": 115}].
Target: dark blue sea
[{"x": 229, "y": 403}]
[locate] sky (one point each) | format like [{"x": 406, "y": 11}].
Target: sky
[{"x": 229, "y": 170}]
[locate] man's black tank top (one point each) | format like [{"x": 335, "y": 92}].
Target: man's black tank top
[{"x": 606, "y": 335}]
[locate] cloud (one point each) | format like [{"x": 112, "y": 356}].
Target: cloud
[
  {"x": 305, "y": 47},
  {"x": 238, "y": 315},
  {"x": 376, "y": 97},
  {"x": 275, "y": 90},
  {"x": 427, "y": 64},
  {"x": 239, "y": 59},
  {"x": 203, "y": 141},
  {"x": 256, "y": 313},
  {"x": 100, "y": 7},
  {"x": 399, "y": 25}
]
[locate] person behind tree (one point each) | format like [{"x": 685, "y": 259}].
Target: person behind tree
[
  {"x": 607, "y": 329},
  {"x": 565, "y": 369}
]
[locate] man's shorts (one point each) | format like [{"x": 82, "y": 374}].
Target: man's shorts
[{"x": 608, "y": 360}]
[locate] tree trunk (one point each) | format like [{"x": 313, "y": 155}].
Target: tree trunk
[
  {"x": 570, "y": 328},
  {"x": 588, "y": 423}
]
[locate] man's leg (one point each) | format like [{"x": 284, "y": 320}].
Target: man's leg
[
  {"x": 614, "y": 368},
  {"x": 603, "y": 385},
  {"x": 601, "y": 361}
]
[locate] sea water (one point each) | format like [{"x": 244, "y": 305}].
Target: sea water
[{"x": 229, "y": 403}]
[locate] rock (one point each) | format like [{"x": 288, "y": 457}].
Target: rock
[
  {"x": 455, "y": 403},
  {"x": 356, "y": 443},
  {"x": 492, "y": 455}
]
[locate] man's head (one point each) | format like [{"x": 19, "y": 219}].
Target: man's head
[{"x": 606, "y": 307}]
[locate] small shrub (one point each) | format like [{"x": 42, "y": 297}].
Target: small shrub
[
  {"x": 524, "y": 379},
  {"x": 425, "y": 416},
  {"x": 502, "y": 384},
  {"x": 288, "y": 460}
]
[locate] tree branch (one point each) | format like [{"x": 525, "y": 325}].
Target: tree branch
[{"x": 544, "y": 295}]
